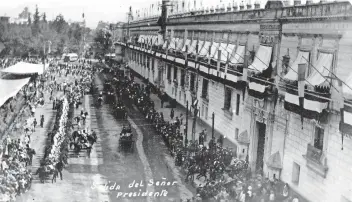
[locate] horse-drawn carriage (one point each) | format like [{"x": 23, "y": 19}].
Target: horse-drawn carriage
[
  {"x": 100, "y": 100},
  {"x": 108, "y": 87},
  {"x": 126, "y": 141},
  {"x": 120, "y": 111}
]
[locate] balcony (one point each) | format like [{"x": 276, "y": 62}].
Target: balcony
[
  {"x": 316, "y": 160},
  {"x": 205, "y": 96}
]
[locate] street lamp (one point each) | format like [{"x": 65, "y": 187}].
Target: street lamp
[{"x": 49, "y": 50}]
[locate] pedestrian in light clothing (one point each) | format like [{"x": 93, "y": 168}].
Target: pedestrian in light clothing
[
  {"x": 42, "y": 121},
  {"x": 35, "y": 124}
]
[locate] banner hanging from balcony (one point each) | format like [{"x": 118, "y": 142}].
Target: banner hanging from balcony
[
  {"x": 292, "y": 72},
  {"x": 259, "y": 83},
  {"x": 314, "y": 104},
  {"x": 346, "y": 120}
]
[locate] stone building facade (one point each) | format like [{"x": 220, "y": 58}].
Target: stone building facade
[{"x": 245, "y": 71}]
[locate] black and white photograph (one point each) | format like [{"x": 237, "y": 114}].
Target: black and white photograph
[{"x": 175, "y": 101}]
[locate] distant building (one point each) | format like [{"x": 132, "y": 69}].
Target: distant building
[
  {"x": 242, "y": 64},
  {"x": 22, "y": 17},
  {"x": 20, "y": 21},
  {"x": 4, "y": 19}
]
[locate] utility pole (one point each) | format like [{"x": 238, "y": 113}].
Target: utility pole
[
  {"x": 195, "y": 102},
  {"x": 186, "y": 129},
  {"x": 44, "y": 58},
  {"x": 213, "y": 126}
]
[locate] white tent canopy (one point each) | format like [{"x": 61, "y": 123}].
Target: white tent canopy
[
  {"x": 301, "y": 58},
  {"x": 262, "y": 59},
  {"x": 10, "y": 88},
  {"x": 321, "y": 70},
  {"x": 238, "y": 57},
  {"x": 346, "y": 89},
  {"x": 25, "y": 68}
]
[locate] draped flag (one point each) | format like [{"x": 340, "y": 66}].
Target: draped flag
[
  {"x": 346, "y": 115},
  {"x": 245, "y": 68},
  {"x": 301, "y": 85},
  {"x": 218, "y": 62}
]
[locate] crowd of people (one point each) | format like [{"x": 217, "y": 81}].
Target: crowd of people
[
  {"x": 225, "y": 177},
  {"x": 16, "y": 155},
  {"x": 56, "y": 153}
]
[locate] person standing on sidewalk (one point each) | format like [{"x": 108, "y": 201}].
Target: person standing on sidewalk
[
  {"x": 89, "y": 150},
  {"x": 172, "y": 113},
  {"x": 35, "y": 124},
  {"x": 42, "y": 121},
  {"x": 162, "y": 99},
  {"x": 205, "y": 135},
  {"x": 54, "y": 103},
  {"x": 181, "y": 119},
  {"x": 59, "y": 166},
  {"x": 30, "y": 153}
]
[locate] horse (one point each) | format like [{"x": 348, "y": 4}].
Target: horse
[
  {"x": 92, "y": 139},
  {"x": 100, "y": 102}
]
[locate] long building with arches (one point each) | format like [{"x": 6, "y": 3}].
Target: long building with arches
[{"x": 277, "y": 78}]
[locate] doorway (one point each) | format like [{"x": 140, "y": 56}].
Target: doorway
[{"x": 261, "y": 127}]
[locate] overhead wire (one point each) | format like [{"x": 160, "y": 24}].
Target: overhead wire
[{"x": 286, "y": 85}]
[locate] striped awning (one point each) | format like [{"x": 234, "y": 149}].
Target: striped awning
[
  {"x": 223, "y": 56},
  {"x": 238, "y": 56},
  {"x": 214, "y": 49},
  {"x": 179, "y": 45},
  {"x": 192, "y": 48},
  {"x": 165, "y": 45},
  {"x": 205, "y": 49},
  {"x": 187, "y": 43},
  {"x": 292, "y": 73},
  {"x": 200, "y": 46},
  {"x": 160, "y": 40},
  {"x": 262, "y": 59},
  {"x": 347, "y": 91},
  {"x": 172, "y": 45},
  {"x": 321, "y": 70}
]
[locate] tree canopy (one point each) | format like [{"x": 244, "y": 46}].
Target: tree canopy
[{"x": 23, "y": 39}]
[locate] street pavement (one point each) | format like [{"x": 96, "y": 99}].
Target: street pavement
[
  {"x": 84, "y": 178},
  {"x": 200, "y": 125}
]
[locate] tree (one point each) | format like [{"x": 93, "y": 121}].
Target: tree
[
  {"x": 103, "y": 40},
  {"x": 36, "y": 17},
  {"x": 44, "y": 18},
  {"x": 29, "y": 20},
  {"x": 24, "y": 14},
  {"x": 60, "y": 24}
]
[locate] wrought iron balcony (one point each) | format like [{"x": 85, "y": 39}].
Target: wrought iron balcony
[{"x": 316, "y": 160}]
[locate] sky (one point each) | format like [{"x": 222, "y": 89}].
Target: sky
[
  {"x": 95, "y": 10},
  {"x": 111, "y": 11}
]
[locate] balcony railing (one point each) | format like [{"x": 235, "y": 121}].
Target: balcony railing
[
  {"x": 316, "y": 160},
  {"x": 313, "y": 153}
]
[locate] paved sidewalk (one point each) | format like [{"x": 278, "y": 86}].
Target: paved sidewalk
[
  {"x": 200, "y": 125},
  {"x": 39, "y": 137}
]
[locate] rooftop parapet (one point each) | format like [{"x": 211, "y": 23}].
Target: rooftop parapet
[{"x": 313, "y": 10}]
